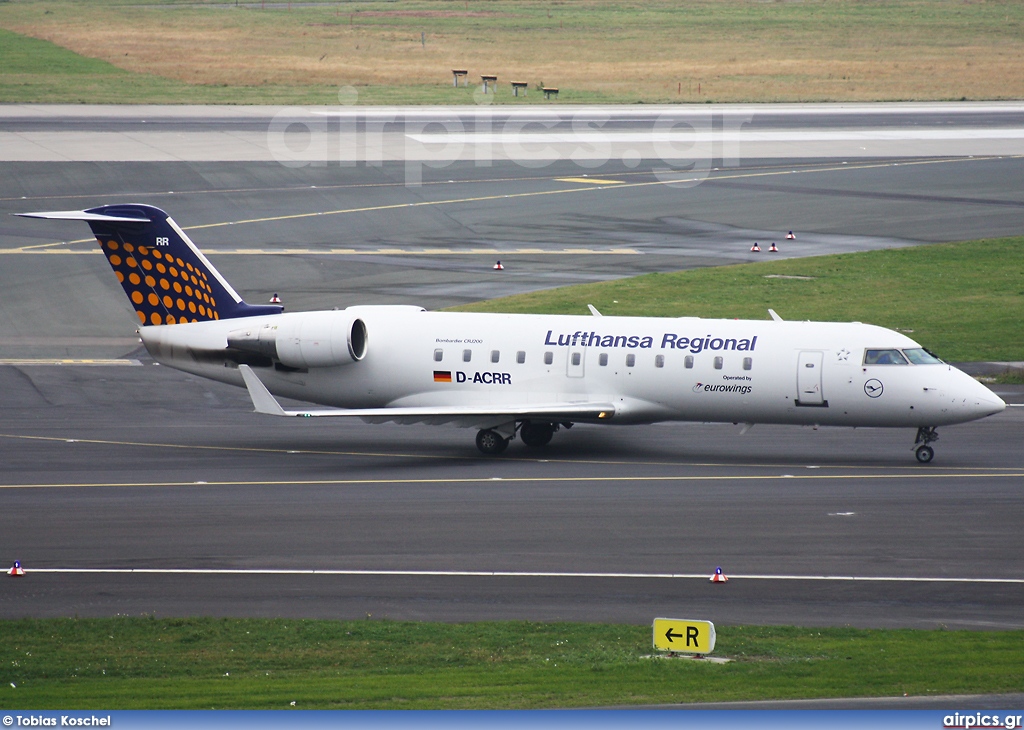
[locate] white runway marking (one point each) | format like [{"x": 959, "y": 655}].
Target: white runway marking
[
  {"x": 708, "y": 136},
  {"x": 511, "y": 574}
]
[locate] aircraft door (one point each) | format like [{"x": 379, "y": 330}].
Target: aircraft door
[
  {"x": 808, "y": 379},
  {"x": 574, "y": 365}
]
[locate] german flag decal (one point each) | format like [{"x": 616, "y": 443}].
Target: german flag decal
[{"x": 442, "y": 376}]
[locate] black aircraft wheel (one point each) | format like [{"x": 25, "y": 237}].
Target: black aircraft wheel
[
  {"x": 925, "y": 454},
  {"x": 536, "y": 435},
  {"x": 491, "y": 442}
]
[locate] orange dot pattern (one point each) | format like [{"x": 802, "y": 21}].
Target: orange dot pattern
[{"x": 149, "y": 275}]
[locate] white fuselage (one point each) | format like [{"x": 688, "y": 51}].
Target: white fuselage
[{"x": 650, "y": 369}]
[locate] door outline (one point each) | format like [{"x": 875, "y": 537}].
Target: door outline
[{"x": 809, "y": 389}]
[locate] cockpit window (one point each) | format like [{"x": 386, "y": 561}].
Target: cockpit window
[
  {"x": 884, "y": 357},
  {"x": 920, "y": 356}
]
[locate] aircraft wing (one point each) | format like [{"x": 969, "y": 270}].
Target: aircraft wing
[{"x": 486, "y": 416}]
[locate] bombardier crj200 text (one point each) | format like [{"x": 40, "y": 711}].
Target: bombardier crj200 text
[{"x": 508, "y": 374}]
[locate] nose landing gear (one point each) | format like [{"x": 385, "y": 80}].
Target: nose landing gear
[{"x": 925, "y": 435}]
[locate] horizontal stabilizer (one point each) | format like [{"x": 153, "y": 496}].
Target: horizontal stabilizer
[
  {"x": 264, "y": 402},
  {"x": 81, "y": 215}
]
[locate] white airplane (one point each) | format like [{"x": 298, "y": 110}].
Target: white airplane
[{"x": 509, "y": 374}]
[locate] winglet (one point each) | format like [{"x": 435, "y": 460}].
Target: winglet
[
  {"x": 775, "y": 316},
  {"x": 262, "y": 400}
]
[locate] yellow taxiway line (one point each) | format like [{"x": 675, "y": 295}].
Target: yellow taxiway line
[{"x": 684, "y": 178}]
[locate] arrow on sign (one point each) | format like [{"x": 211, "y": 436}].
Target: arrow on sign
[{"x": 669, "y": 635}]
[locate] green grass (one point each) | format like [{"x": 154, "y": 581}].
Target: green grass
[
  {"x": 1007, "y": 377},
  {"x": 964, "y": 301},
  {"x": 659, "y": 51},
  {"x": 130, "y": 663},
  {"x": 40, "y": 71}
]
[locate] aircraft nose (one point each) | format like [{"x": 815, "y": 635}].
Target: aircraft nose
[
  {"x": 990, "y": 405},
  {"x": 983, "y": 402}
]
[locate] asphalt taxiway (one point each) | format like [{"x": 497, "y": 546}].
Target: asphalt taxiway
[
  {"x": 134, "y": 489},
  {"x": 130, "y": 488}
]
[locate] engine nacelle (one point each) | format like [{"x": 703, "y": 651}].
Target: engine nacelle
[{"x": 306, "y": 339}]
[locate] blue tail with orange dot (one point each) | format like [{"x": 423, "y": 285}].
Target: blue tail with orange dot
[{"x": 167, "y": 278}]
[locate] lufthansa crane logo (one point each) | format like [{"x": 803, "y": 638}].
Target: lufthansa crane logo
[{"x": 873, "y": 388}]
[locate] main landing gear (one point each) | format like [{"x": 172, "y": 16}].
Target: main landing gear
[
  {"x": 925, "y": 435},
  {"x": 491, "y": 442},
  {"x": 535, "y": 434}
]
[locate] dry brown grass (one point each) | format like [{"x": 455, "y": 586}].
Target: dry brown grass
[{"x": 654, "y": 51}]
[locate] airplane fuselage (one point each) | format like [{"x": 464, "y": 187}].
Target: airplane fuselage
[{"x": 650, "y": 369}]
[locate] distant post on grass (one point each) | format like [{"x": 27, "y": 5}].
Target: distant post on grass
[
  {"x": 457, "y": 72},
  {"x": 489, "y": 81},
  {"x": 517, "y": 85}
]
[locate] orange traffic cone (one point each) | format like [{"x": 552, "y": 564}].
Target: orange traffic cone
[
  {"x": 774, "y": 248},
  {"x": 790, "y": 236},
  {"x": 755, "y": 248},
  {"x": 275, "y": 299},
  {"x": 498, "y": 267},
  {"x": 719, "y": 576},
  {"x": 16, "y": 569}
]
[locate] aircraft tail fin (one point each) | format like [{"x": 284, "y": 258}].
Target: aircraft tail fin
[{"x": 166, "y": 277}]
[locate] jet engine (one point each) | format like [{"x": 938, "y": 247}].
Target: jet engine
[{"x": 305, "y": 339}]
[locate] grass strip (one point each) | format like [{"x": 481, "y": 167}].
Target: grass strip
[
  {"x": 38, "y": 71},
  {"x": 964, "y": 301},
  {"x": 194, "y": 663},
  {"x": 661, "y": 51}
]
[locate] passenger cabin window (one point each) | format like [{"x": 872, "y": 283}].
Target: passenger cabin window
[
  {"x": 495, "y": 355},
  {"x": 549, "y": 357},
  {"x": 521, "y": 357},
  {"x": 467, "y": 355},
  {"x": 920, "y": 356},
  {"x": 630, "y": 360},
  {"x": 659, "y": 361},
  {"x": 438, "y": 355},
  {"x": 748, "y": 363},
  {"x": 884, "y": 357},
  {"x": 688, "y": 362},
  {"x": 719, "y": 362},
  {"x": 602, "y": 359},
  {"x": 576, "y": 359}
]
